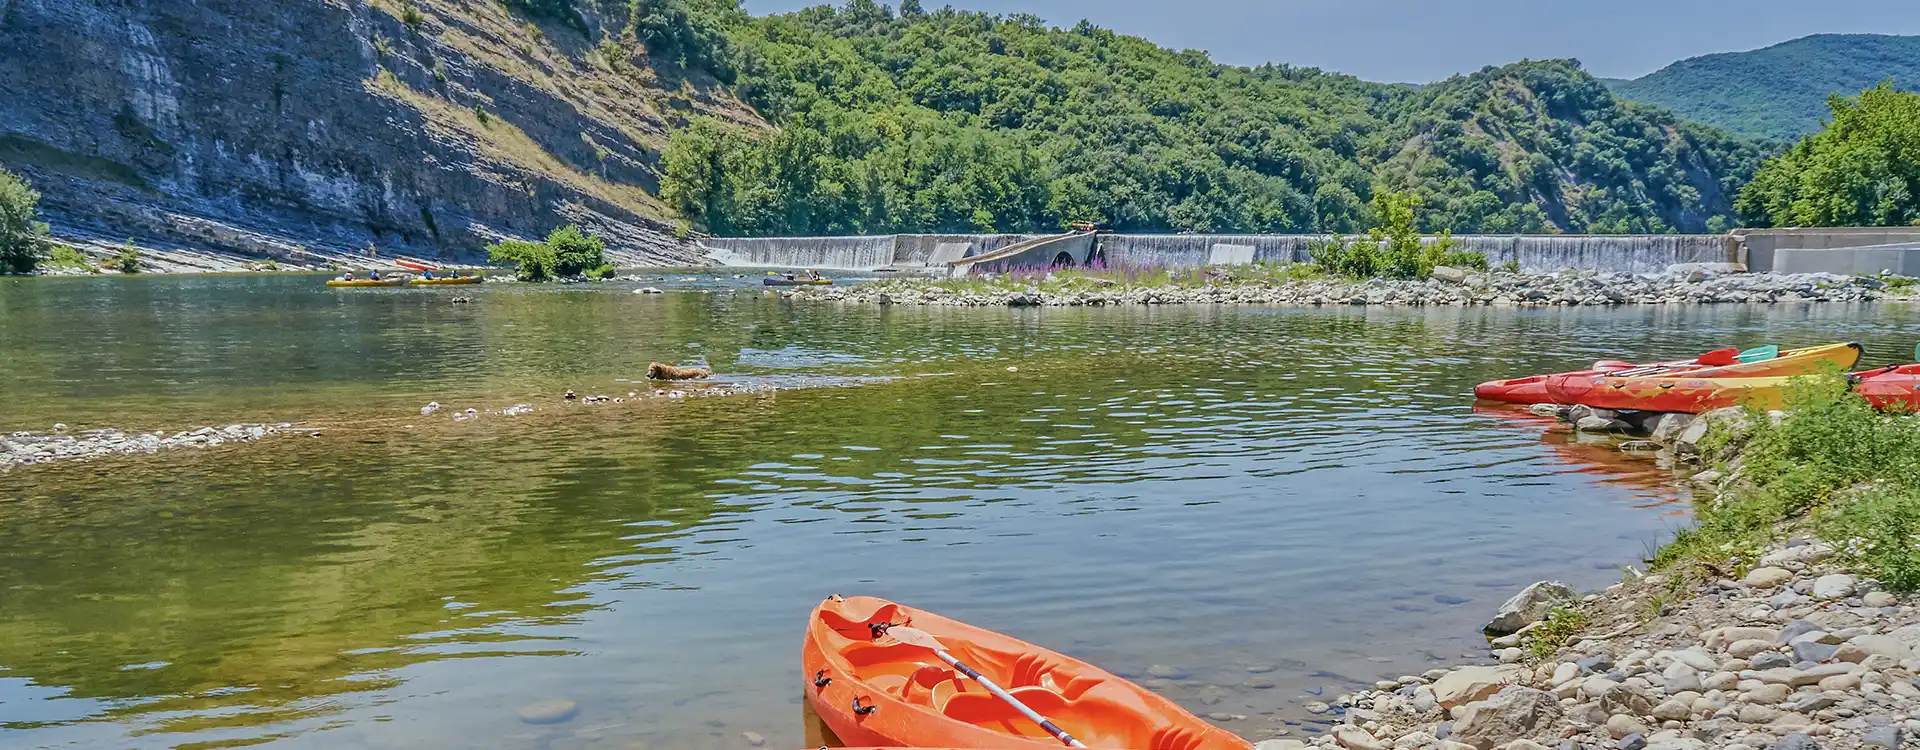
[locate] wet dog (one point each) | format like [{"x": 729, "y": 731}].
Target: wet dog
[{"x": 657, "y": 371}]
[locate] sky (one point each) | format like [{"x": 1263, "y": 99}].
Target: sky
[{"x": 1417, "y": 41}]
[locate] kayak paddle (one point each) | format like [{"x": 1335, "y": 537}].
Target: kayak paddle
[
  {"x": 923, "y": 639},
  {"x": 1760, "y": 354}
]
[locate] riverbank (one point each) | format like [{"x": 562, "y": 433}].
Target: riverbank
[
  {"x": 1777, "y": 622},
  {"x": 1302, "y": 285}
]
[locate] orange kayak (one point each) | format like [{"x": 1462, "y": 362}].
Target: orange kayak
[
  {"x": 874, "y": 691},
  {"x": 1891, "y": 387},
  {"x": 1533, "y": 390},
  {"x": 1703, "y": 389}
]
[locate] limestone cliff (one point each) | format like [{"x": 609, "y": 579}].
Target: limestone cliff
[{"x": 427, "y": 127}]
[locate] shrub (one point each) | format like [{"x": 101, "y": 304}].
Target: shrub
[
  {"x": 410, "y": 16},
  {"x": 22, "y": 240},
  {"x": 574, "y": 252},
  {"x": 68, "y": 258},
  {"x": 1395, "y": 249},
  {"x": 128, "y": 261},
  {"x": 533, "y": 261},
  {"x": 604, "y": 272}
]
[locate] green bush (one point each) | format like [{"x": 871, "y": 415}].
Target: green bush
[
  {"x": 566, "y": 252},
  {"x": 128, "y": 261},
  {"x": 22, "y": 240},
  {"x": 533, "y": 261},
  {"x": 604, "y": 272},
  {"x": 1395, "y": 249},
  {"x": 68, "y": 258}
]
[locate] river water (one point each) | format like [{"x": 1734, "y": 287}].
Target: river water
[{"x": 1267, "y": 504}]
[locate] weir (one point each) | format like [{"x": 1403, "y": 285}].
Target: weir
[{"x": 1840, "y": 250}]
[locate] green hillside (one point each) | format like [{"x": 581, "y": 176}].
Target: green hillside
[
  {"x": 948, "y": 120},
  {"x": 1779, "y": 92}
]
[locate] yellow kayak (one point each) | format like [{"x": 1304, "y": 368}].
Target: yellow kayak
[
  {"x": 358, "y": 283},
  {"x": 449, "y": 281}
]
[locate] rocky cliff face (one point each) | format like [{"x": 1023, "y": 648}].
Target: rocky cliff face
[{"x": 426, "y": 127}]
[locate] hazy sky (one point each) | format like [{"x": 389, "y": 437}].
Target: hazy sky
[{"x": 1426, "y": 40}]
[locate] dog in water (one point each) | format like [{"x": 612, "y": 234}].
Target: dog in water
[{"x": 657, "y": 371}]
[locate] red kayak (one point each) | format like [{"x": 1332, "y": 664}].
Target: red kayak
[
  {"x": 1533, "y": 390},
  {"x": 414, "y": 265},
  {"x": 1895, "y": 387}
]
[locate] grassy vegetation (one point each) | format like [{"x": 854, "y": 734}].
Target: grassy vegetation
[
  {"x": 1561, "y": 624},
  {"x": 1833, "y": 466},
  {"x": 68, "y": 259}
]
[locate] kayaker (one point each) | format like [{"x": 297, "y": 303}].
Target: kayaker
[
  {"x": 375, "y": 275},
  {"x": 427, "y": 275},
  {"x": 348, "y": 276},
  {"x": 813, "y": 275}
]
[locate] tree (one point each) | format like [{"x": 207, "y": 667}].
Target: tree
[
  {"x": 566, "y": 252},
  {"x": 22, "y": 240},
  {"x": 575, "y": 253},
  {"x": 1863, "y": 169},
  {"x": 532, "y": 261}
]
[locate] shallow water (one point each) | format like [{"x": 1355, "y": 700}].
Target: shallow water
[{"x": 1305, "y": 493}]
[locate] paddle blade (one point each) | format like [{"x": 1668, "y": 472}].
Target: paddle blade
[
  {"x": 1761, "y": 354},
  {"x": 914, "y": 637},
  {"x": 1719, "y": 358},
  {"x": 1916, "y": 352}
]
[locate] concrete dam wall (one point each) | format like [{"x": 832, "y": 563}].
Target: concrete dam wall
[{"x": 915, "y": 252}]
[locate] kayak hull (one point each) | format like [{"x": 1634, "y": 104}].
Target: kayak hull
[
  {"x": 1895, "y": 389},
  {"x": 365, "y": 283},
  {"x": 917, "y": 700},
  {"x": 1533, "y": 390},
  {"x": 797, "y": 282},
  {"x": 458, "y": 281},
  {"x": 1703, "y": 389}
]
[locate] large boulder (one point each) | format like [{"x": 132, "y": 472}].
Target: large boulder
[
  {"x": 1514, "y": 713},
  {"x": 1529, "y": 606},
  {"x": 1468, "y": 684}
]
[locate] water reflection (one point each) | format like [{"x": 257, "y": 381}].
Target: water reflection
[{"x": 1269, "y": 501}]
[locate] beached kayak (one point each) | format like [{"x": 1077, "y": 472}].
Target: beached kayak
[
  {"x": 1533, "y": 390},
  {"x": 1704, "y": 389},
  {"x": 415, "y": 265},
  {"x": 873, "y": 690},
  {"x": 1891, "y": 387},
  {"x": 357, "y": 283},
  {"x": 449, "y": 281},
  {"x": 797, "y": 282}
]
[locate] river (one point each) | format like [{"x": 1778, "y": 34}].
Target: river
[{"x": 1266, "y": 504}]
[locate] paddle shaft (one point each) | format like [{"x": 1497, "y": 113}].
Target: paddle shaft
[{"x": 1057, "y": 732}]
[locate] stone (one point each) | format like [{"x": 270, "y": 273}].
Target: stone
[
  {"x": 1754, "y": 713},
  {"x": 1316, "y": 707},
  {"x": 1673, "y": 710},
  {"x": 1622, "y": 725},
  {"x": 1767, "y": 577},
  {"x": 1601, "y": 424},
  {"x": 1667, "y": 427},
  {"x": 1748, "y": 648},
  {"x": 1884, "y": 737},
  {"x": 1627, "y": 699},
  {"x": 1858, "y": 648},
  {"x": 1513, "y": 713},
  {"x": 1523, "y": 745},
  {"x": 1280, "y": 744},
  {"x": 1879, "y": 599},
  {"x": 1796, "y": 741},
  {"x": 549, "y": 711},
  {"x": 1510, "y": 655},
  {"x": 1564, "y": 672},
  {"x": 1595, "y": 663},
  {"x": 1794, "y": 630},
  {"x": 754, "y": 739},
  {"x": 1415, "y": 740},
  {"x": 1770, "y": 660},
  {"x": 1802, "y": 554},
  {"x": 1164, "y": 672},
  {"x": 1529, "y": 606},
  {"x": 1449, "y": 275},
  {"x": 1468, "y": 684},
  {"x": 1720, "y": 681},
  {"x": 1768, "y": 694},
  {"x": 1812, "y": 650},
  {"x": 1833, "y": 586},
  {"x": 1635, "y": 741},
  {"x": 1677, "y": 743},
  {"x": 1355, "y": 738},
  {"x": 1721, "y": 637},
  {"x": 1907, "y": 634},
  {"x": 1695, "y": 657},
  {"x": 1594, "y": 687},
  {"x": 1840, "y": 682}
]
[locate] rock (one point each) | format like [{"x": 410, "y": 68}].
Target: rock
[
  {"x": 1513, "y": 713},
  {"x": 1748, "y": 648},
  {"x": 1884, "y": 737},
  {"x": 1767, "y": 577},
  {"x": 1316, "y": 707},
  {"x": 1596, "y": 663},
  {"x": 1280, "y": 744},
  {"x": 1840, "y": 682},
  {"x": 1627, "y": 699},
  {"x": 1600, "y": 424},
  {"x": 1720, "y": 637},
  {"x": 1355, "y": 738},
  {"x": 1695, "y": 657},
  {"x": 1564, "y": 672},
  {"x": 1594, "y": 687},
  {"x": 1813, "y": 651},
  {"x": 1754, "y": 713},
  {"x": 1858, "y": 648},
  {"x": 1623, "y": 725},
  {"x": 1796, "y": 741},
  {"x": 1770, "y": 660},
  {"x": 1449, "y": 275},
  {"x": 1415, "y": 740},
  {"x": 753, "y": 739},
  {"x": 1635, "y": 741},
  {"x": 1510, "y": 655},
  {"x": 1677, "y": 743},
  {"x": 1164, "y": 672},
  {"x": 1908, "y": 634},
  {"x": 1720, "y": 681},
  {"x": 549, "y": 711},
  {"x": 1799, "y": 677},
  {"x": 1833, "y": 586},
  {"x": 1547, "y": 410},
  {"x": 1667, "y": 427},
  {"x": 1802, "y": 554},
  {"x": 1769, "y": 694},
  {"x": 1468, "y": 684},
  {"x": 1673, "y": 710},
  {"x": 1529, "y": 606},
  {"x": 1879, "y": 599}
]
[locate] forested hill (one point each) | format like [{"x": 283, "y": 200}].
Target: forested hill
[
  {"x": 1780, "y": 91},
  {"x": 947, "y": 120}
]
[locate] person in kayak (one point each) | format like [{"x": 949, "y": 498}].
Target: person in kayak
[
  {"x": 374, "y": 275},
  {"x": 348, "y": 276},
  {"x": 428, "y": 275}
]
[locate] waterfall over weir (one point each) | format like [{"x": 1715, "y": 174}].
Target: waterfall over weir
[{"x": 914, "y": 253}]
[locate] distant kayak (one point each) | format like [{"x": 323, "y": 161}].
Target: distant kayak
[
  {"x": 414, "y": 265},
  {"x": 448, "y": 281},
  {"x": 776, "y": 281},
  {"x": 872, "y": 690},
  {"x": 358, "y": 283}
]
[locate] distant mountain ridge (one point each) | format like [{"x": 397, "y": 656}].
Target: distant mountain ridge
[{"x": 1781, "y": 91}]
